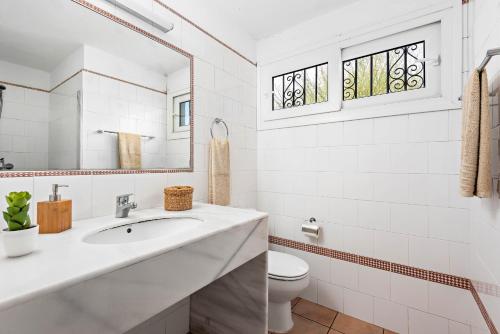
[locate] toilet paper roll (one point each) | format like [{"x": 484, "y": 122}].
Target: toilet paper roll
[{"x": 311, "y": 230}]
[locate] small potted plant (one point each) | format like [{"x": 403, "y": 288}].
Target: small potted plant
[{"x": 20, "y": 237}]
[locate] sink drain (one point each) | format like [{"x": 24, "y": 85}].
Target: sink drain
[{"x": 129, "y": 230}]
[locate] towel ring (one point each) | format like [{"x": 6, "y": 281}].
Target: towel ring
[{"x": 218, "y": 121}]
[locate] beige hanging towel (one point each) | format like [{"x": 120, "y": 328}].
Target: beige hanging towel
[
  {"x": 218, "y": 172},
  {"x": 475, "y": 170},
  {"x": 129, "y": 150}
]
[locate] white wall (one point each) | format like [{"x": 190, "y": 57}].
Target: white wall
[
  {"x": 112, "y": 105},
  {"x": 383, "y": 187},
  {"x": 24, "y": 121},
  {"x": 178, "y": 144},
  {"x": 484, "y": 33},
  {"x": 64, "y": 125}
]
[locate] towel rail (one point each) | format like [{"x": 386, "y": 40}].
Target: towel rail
[
  {"x": 115, "y": 132},
  {"x": 218, "y": 121},
  {"x": 489, "y": 54}
]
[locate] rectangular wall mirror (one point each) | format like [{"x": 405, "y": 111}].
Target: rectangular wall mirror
[{"x": 83, "y": 91}]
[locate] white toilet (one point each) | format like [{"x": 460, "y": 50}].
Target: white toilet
[{"x": 288, "y": 276}]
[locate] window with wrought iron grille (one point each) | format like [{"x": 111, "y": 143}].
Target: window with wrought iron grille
[
  {"x": 300, "y": 87},
  {"x": 390, "y": 71}
]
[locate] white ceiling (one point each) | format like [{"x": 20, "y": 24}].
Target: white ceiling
[{"x": 263, "y": 18}]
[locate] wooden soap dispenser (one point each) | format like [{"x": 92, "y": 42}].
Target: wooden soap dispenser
[{"x": 55, "y": 215}]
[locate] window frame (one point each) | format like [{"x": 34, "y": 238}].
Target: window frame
[
  {"x": 304, "y": 98},
  {"x": 431, "y": 34},
  {"x": 329, "y": 54},
  {"x": 449, "y": 17},
  {"x": 173, "y": 131},
  {"x": 177, "y": 101}
]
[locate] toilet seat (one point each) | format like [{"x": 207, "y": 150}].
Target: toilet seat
[{"x": 286, "y": 267}]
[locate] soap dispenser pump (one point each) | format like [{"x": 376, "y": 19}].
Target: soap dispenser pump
[{"x": 54, "y": 215}]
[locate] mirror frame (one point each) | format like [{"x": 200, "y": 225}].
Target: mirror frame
[{"x": 190, "y": 169}]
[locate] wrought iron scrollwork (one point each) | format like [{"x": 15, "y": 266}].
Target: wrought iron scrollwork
[
  {"x": 300, "y": 87},
  {"x": 402, "y": 71}
]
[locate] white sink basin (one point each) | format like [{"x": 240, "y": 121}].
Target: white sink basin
[{"x": 143, "y": 230}]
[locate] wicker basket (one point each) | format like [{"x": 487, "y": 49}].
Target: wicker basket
[{"x": 178, "y": 198}]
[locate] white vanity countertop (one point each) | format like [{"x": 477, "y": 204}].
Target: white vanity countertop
[{"x": 63, "y": 259}]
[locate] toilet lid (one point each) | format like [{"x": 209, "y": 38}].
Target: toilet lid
[{"x": 285, "y": 266}]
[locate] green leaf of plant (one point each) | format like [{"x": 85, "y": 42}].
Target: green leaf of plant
[
  {"x": 20, "y": 217},
  {"x": 13, "y": 226},
  {"x": 9, "y": 200},
  {"x": 28, "y": 222},
  {"x": 12, "y": 210},
  {"x": 19, "y": 202},
  {"x": 6, "y": 216}
]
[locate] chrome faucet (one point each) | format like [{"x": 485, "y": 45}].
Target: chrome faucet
[{"x": 123, "y": 205}]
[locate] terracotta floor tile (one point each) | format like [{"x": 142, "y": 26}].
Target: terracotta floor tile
[
  {"x": 315, "y": 312},
  {"x": 305, "y": 326},
  {"x": 349, "y": 325},
  {"x": 295, "y": 301},
  {"x": 333, "y": 331}
]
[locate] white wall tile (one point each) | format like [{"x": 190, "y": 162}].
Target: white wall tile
[
  {"x": 374, "y": 215},
  {"x": 358, "y": 186},
  {"x": 358, "y": 132},
  {"x": 330, "y": 184},
  {"x": 331, "y": 296},
  {"x": 344, "y": 273},
  {"x": 450, "y": 302},
  {"x": 331, "y": 134},
  {"x": 425, "y": 323},
  {"x": 449, "y": 224},
  {"x": 409, "y": 291},
  {"x": 391, "y": 129},
  {"x": 375, "y": 282},
  {"x": 458, "y": 328},
  {"x": 311, "y": 292},
  {"x": 409, "y": 219},
  {"x": 390, "y": 247},
  {"x": 426, "y": 127},
  {"x": 391, "y": 316},
  {"x": 343, "y": 211},
  {"x": 391, "y": 188},
  {"x": 358, "y": 241},
  {"x": 431, "y": 254},
  {"x": 358, "y": 305}
]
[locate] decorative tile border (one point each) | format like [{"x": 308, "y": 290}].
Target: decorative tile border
[
  {"x": 124, "y": 81},
  {"x": 78, "y": 72},
  {"x": 487, "y": 288},
  {"x": 427, "y": 275},
  {"x": 482, "y": 309},
  {"x": 451, "y": 280},
  {"x": 24, "y": 86},
  {"x": 173, "y": 11}
]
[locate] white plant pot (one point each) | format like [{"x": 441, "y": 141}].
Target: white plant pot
[{"x": 19, "y": 243}]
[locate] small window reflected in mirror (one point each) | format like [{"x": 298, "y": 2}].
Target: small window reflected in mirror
[{"x": 184, "y": 108}]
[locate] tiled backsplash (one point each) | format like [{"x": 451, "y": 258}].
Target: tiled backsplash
[
  {"x": 384, "y": 187},
  {"x": 24, "y": 128}
]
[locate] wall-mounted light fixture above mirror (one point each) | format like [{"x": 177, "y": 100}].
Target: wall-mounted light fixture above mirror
[{"x": 88, "y": 91}]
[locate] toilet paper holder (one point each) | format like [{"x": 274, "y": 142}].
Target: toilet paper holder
[{"x": 310, "y": 228}]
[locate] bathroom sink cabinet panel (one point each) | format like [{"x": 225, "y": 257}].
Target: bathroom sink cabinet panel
[
  {"x": 120, "y": 300},
  {"x": 234, "y": 303}
]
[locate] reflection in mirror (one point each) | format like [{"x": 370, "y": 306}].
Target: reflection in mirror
[{"x": 84, "y": 92}]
